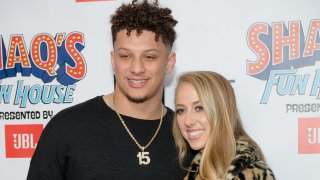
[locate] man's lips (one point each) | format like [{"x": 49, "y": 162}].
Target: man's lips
[{"x": 137, "y": 83}]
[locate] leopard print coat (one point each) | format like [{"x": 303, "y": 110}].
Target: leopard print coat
[{"x": 247, "y": 165}]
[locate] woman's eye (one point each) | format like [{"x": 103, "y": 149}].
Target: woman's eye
[
  {"x": 199, "y": 108},
  {"x": 179, "y": 111}
]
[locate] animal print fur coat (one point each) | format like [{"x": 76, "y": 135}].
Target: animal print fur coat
[{"x": 247, "y": 165}]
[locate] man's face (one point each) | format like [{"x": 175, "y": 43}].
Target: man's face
[{"x": 140, "y": 64}]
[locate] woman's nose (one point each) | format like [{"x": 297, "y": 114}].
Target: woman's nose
[{"x": 190, "y": 120}]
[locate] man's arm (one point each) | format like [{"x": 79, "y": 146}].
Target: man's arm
[{"x": 49, "y": 159}]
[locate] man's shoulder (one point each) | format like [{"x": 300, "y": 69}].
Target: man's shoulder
[
  {"x": 168, "y": 117},
  {"x": 76, "y": 115},
  {"x": 170, "y": 112},
  {"x": 89, "y": 104},
  {"x": 82, "y": 109}
]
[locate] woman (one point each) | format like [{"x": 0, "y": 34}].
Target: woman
[{"x": 208, "y": 120}]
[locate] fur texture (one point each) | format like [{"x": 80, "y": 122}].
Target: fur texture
[{"x": 247, "y": 165}]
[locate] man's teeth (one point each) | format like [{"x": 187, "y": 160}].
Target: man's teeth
[{"x": 136, "y": 80}]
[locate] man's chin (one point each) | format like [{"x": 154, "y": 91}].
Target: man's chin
[{"x": 137, "y": 100}]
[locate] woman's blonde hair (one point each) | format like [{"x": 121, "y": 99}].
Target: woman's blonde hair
[{"x": 219, "y": 102}]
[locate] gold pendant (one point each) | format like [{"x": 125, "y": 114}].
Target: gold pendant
[{"x": 144, "y": 158}]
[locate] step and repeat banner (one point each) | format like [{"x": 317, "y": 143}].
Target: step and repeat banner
[{"x": 55, "y": 54}]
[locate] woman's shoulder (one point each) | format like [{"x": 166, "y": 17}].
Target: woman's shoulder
[
  {"x": 248, "y": 164},
  {"x": 257, "y": 170}
]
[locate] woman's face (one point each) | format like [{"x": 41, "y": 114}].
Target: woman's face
[{"x": 191, "y": 118}]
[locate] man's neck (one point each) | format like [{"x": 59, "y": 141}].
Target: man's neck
[{"x": 148, "y": 110}]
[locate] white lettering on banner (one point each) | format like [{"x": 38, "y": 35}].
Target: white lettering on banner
[
  {"x": 23, "y": 141},
  {"x": 313, "y": 135}
]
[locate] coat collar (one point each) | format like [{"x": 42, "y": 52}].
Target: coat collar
[{"x": 246, "y": 155}]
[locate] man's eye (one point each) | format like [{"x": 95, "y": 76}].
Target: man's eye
[
  {"x": 149, "y": 57},
  {"x": 124, "y": 56}
]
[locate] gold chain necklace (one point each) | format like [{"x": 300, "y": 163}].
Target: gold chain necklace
[{"x": 143, "y": 156}]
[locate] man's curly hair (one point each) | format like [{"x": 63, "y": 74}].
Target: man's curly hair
[{"x": 141, "y": 16}]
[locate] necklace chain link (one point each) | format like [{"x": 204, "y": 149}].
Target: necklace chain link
[{"x": 129, "y": 132}]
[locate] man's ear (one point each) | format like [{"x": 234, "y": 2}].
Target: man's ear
[
  {"x": 112, "y": 59},
  {"x": 171, "y": 62}
]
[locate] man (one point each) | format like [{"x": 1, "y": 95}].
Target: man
[{"x": 125, "y": 134}]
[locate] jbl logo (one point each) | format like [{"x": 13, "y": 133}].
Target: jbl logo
[
  {"x": 309, "y": 136},
  {"x": 313, "y": 135},
  {"x": 21, "y": 140}
]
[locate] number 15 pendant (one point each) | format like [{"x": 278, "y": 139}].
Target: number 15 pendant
[{"x": 144, "y": 158}]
